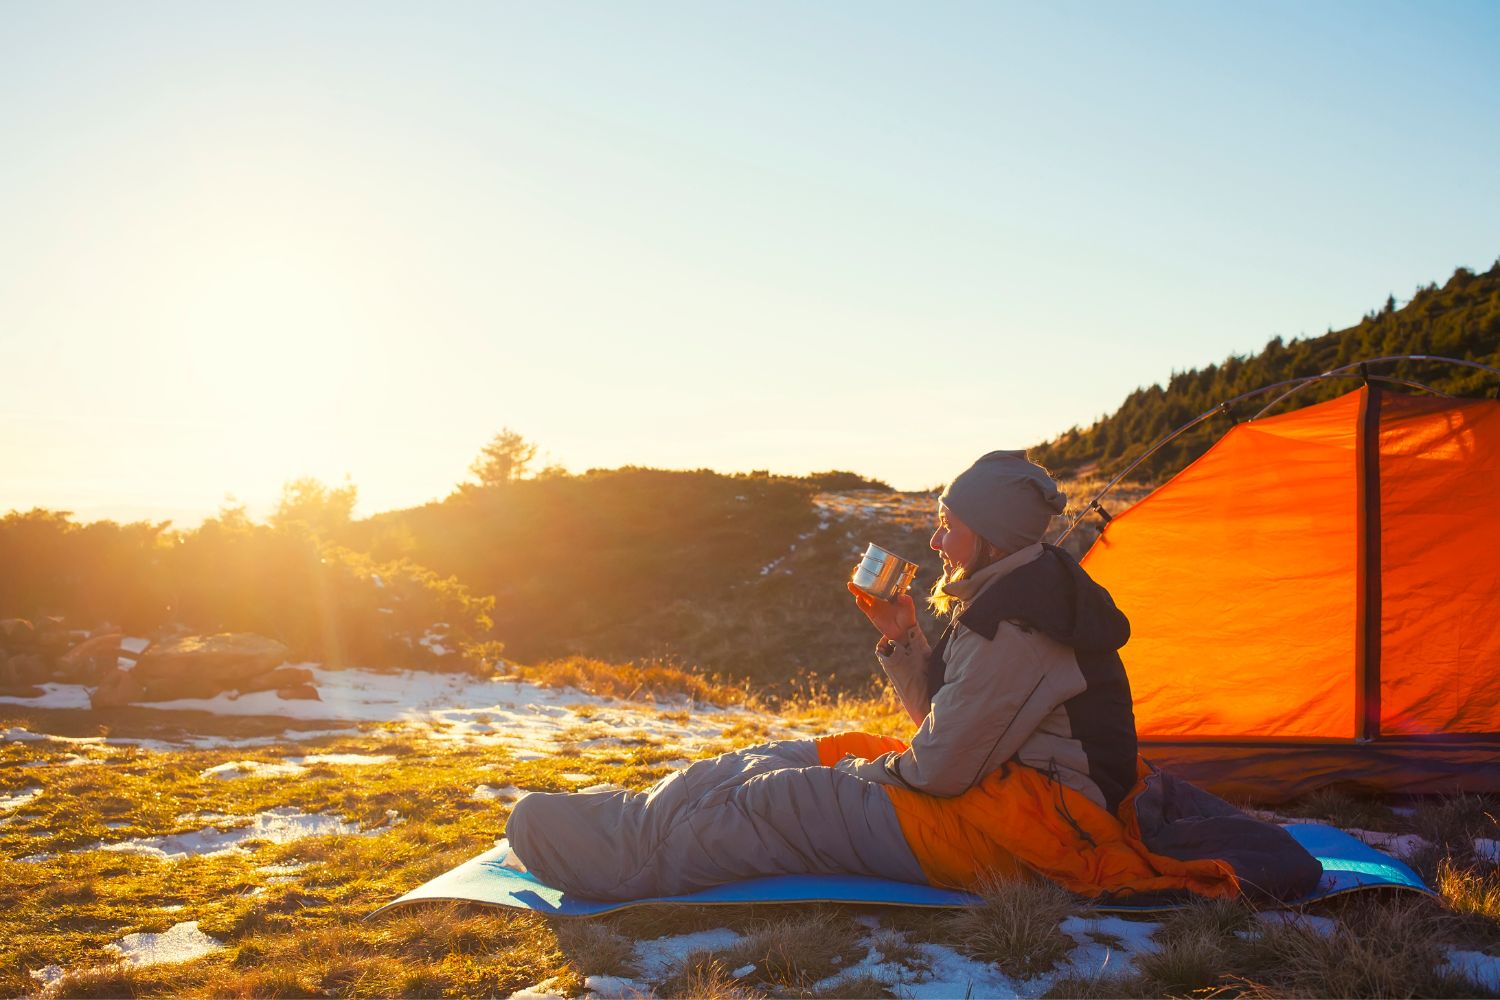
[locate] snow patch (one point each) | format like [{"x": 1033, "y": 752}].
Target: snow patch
[
  {"x": 251, "y": 769},
  {"x": 656, "y": 959},
  {"x": 1093, "y": 958},
  {"x": 290, "y": 766},
  {"x": 53, "y": 696},
  {"x": 1478, "y": 968},
  {"x": 47, "y": 975},
  {"x": 498, "y": 793},
  {"x": 277, "y": 826},
  {"x": 18, "y": 799},
  {"x": 434, "y": 642},
  {"x": 614, "y": 988},
  {"x": 344, "y": 759},
  {"x": 181, "y": 943},
  {"x": 1487, "y": 849},
  {"x": 1399, "y": 845},
  {"x": 543, "y": 990}
]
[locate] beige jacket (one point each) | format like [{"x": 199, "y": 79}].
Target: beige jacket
[{"x": 1003, "y": 699}]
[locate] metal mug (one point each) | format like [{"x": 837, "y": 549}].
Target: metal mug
[{"x": 882, "y": 574}]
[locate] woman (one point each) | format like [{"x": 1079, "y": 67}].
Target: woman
[{"x": 1024, "y": 755}]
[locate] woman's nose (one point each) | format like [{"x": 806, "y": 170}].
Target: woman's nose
[{"x": 936, "y": 541}]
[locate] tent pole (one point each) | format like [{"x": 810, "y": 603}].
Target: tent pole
[{"x": 1367, "y": 600}]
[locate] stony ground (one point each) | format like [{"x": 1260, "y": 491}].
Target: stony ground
[{"x": 233, "y": 847}]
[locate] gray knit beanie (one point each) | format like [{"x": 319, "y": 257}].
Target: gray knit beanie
[{"x": 1006, "y": 499}]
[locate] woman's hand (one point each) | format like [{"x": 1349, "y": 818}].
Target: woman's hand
[{"x": 894, "y": 617}]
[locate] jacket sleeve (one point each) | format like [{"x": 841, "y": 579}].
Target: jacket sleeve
[
  {"x": 905, "y": 664},
  {"x": 999, "y": 691}
]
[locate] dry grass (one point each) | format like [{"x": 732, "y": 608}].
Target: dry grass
[
  {"x": 1470, "y": 891},
  {"x": 818, "y": 707},
  {"x": 306, "y": 936},
  {"x": 648, "y": 681},
  {"x": 705, "y": 976},
  {"x": 1388, "y": 949},
  {"x": 795, "y": 952},
  {"x": 1344, "y": 809},
  {"x": 1015, "y": 926}
]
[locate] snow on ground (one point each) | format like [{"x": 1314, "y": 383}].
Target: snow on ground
[
  {"x": 544, "y": 990},
  {"x": 1323, "y": 926},
  {"x": 612, "y": 988},
  {"x": 181, "y": 943},
  {"x": 53, "y": 696},
  {"x": 1478, "y": 968},
  {"x": 1103, "y": 946},
  {"x": 526, "y": 719},
  {"x": 290, "y": 766},
  {"x": 251, "y": 769},
  {"x": 343, "y": 759},
  {"x": 656, "y": 959},
  {"x": 47, "y": 975},
  {"x": 278, "y": 826},
  {"x": 16, "y": 800},
  {"x": 498, "y": 793},
  {"x": 1487, "y": 849},
  {"x": 1096, "y": 954},
  {"x": 15, "y": 735},
  {"x": 1399, "y": 845}
]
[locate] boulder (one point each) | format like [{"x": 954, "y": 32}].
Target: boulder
[
  {"x": 25, "y": 669},
  {"x": 274, "y": 680},
  {"x": 17, "y": 632},
  {"x": 53, "y": 641},
  {"x": 202, "y": 666},
  {"x": 116, "y": 689},
  {"x": 89, "y": 661},
  {"x": 299, "y": 692}
]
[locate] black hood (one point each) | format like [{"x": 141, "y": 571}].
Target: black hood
[{"x": 1053, "y": 595}]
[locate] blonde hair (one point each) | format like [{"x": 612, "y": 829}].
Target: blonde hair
[{"x": 938, "y": 599}]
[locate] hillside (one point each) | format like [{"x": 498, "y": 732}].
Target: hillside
[
  {"x": 1459, "y": 320},
  {"x": 736, "y": 575}
]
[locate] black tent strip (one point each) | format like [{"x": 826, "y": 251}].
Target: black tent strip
[
  {"x": 1290, "y": 386},
  {"x": 1367, "y": 599}
]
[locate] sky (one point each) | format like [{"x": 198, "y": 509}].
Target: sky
[{"x": 246, "y": 243}]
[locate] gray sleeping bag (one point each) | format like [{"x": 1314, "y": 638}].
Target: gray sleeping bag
[{"x": 764, "y": 810}]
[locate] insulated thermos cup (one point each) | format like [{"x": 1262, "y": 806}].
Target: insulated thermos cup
[{"x": 882, "y": 574}]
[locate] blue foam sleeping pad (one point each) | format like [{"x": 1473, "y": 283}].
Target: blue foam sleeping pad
[{"x": 1348, "y": 865}]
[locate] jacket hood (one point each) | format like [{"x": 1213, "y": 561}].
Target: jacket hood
[{"x": 1053, "y": 595}]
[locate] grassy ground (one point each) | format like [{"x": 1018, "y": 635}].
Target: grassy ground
[{"x": 290, "y": 915}]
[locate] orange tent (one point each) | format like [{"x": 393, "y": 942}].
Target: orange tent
[{"x": 1316, "y": 600}]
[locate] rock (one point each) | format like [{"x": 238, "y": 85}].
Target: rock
[
  {"x": 17, "y": 632},
  {"x": 89, "y": 661},
  {"x": 116, "y": 689},
  {"x": 19, "y": 675},
  {"x": 25, "y": 669},
  {"x": 281, "y": 677},
  {"x": 301, "y": 692},
  {"x": 53, "y": 641},
  {"x": 198, "y": 666}
]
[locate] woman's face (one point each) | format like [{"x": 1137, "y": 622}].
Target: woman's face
[{"x": 955, "y": 541}]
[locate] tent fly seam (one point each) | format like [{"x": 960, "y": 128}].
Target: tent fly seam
[{"x": 1367, "y": 608}]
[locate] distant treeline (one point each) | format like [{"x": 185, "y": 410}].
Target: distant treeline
[
  {"x": 542, "y": 565},
  {"x": 1460, "y": 320}
]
